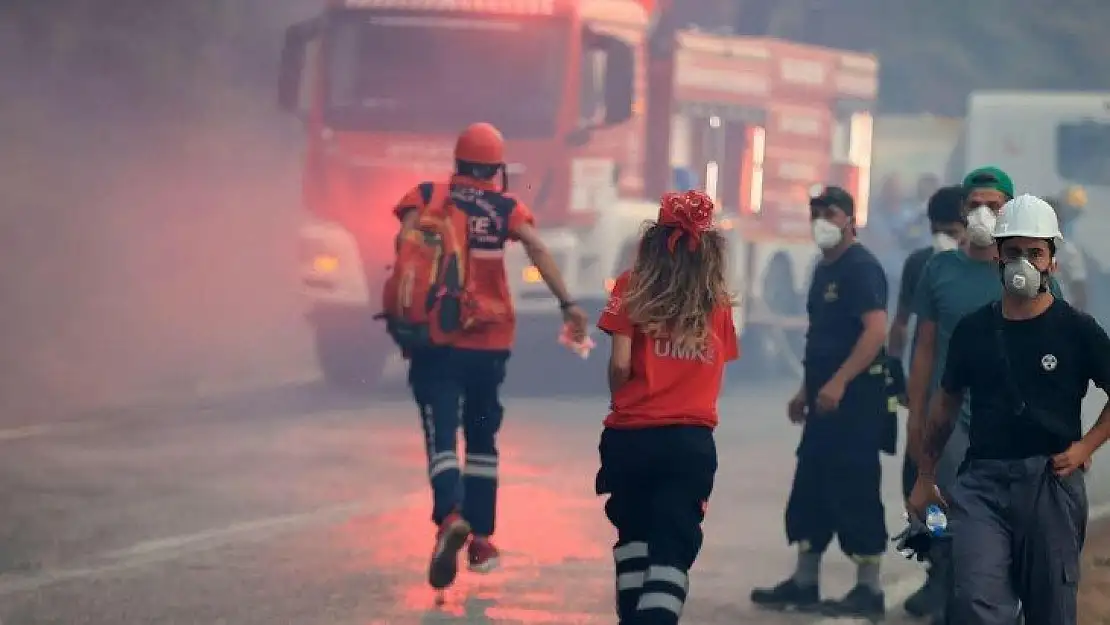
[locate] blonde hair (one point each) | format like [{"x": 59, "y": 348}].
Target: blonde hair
[{"x": 675, "y": 293}]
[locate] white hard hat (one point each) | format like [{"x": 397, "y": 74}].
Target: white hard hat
[{"x": 1028, "y": 216}]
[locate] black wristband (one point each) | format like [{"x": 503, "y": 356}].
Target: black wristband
[{"x": 567, "y": 304}]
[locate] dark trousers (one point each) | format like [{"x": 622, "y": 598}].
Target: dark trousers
[
  {"x": 837, "y": 496},
  {"x": 1017, "y": 534},
  {"x": 453, "y": 386},
  {"x": 838, "y": 479},
  {"x": 658, "y": 481}
]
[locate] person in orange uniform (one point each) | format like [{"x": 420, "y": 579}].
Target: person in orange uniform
[
  {"x": 469, "y": 366},
  {"x": 670, "y": 319}
]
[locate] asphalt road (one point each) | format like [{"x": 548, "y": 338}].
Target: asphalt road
[{"x": 296, "y": 505}]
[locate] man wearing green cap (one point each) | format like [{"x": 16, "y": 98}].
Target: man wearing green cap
[{"x": 954, "y": 284}]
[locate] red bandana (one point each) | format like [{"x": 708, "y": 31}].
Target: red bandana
[{"x": 690, "y": 213}]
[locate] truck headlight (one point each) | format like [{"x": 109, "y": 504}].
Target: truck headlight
[
  {"x": 531, "y": 275},
  {"x": 325, "y": 263}
]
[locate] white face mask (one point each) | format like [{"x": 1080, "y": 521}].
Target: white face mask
[
  {"x": 826, "y": 234},
  {"x": 943, "y": 243},
  {"x": 1021, "y": 278},
  {"x": 980, "y": 226}
]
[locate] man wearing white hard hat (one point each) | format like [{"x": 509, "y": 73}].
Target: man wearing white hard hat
[
  {"x": 953, "y": 284},
  {"x": 1018, "y": 510}
]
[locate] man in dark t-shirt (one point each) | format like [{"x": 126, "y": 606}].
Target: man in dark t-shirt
[
  {"x": 1018, "y": 509},
  {"x": 946, "y": 221},
  {"x": 836, "y": 490}
]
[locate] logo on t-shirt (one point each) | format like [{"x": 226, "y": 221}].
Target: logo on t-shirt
[
  {"x": 613, "y": 306},
  {"x": 1048, "y": 362},
  {"x": 831, "y": 293},
  {"x": 666, "y": 349}
]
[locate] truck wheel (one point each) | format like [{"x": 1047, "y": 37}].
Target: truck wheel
[{"x": 348, "y": 361}]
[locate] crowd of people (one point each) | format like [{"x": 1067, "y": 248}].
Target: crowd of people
[{"x": 999, "y": 362}]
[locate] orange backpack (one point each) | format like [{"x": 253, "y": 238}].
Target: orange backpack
[{"x": 424, "y": 287}]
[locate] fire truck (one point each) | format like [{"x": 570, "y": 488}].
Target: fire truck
[{"x": 605, "y": 104}]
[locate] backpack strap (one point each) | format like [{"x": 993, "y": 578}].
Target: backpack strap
[
  {"x": 439, "y": 197},
  {"x": 426, "y": 191}
]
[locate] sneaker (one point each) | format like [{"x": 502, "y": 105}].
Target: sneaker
[
  {"x": 482, "y": 555},
  {"x": 860, "y": 602},
  {"x": 788, "y": 595},
  {"x": 450, "y": 539},
  {"x": 923, "y": 602}
]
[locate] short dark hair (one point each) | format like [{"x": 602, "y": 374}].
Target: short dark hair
[
  {"x": 834, "y": 196},
  {"x": 946, "y": 205}
]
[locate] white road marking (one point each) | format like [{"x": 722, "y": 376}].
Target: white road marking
[
  {"x": 176, "y": 547},
  {"x": 29, "y": 431},
  {"x": 899, "y": 591}
]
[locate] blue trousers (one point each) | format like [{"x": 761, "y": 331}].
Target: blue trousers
[{"x": 454, "y": 387}]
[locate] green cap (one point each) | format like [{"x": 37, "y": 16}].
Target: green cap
[{"x": 989, "y": 178}]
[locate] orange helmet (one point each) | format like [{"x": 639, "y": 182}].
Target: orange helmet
[{"x": 481, "y": 144}]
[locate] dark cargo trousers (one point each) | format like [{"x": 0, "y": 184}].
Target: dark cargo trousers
[
  {"x": 1017, "y": 534},
  {"x": 461, "y": 385},
  {"x": 658, "y": 481},
  {"x": 837, "y": 489},
  {"x": 841, "y": 497}
]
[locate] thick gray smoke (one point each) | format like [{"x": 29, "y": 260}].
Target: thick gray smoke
[{"x": 149, "y": 195}]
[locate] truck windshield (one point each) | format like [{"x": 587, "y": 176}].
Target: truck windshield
[
  {"x": 1083, "y": 152},
  {"x": 438, "y": 72}
]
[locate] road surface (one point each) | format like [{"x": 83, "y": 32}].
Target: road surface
[{"x": 299, "y": 506}]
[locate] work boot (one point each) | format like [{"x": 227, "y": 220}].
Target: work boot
[
  {"x": 788, "y": 595},
  {"x": 925, "y": 601},
  {"x": 482, "y": 555},
  {"x": 450, "y": 539},
  {"x": 860, "y": 602}
]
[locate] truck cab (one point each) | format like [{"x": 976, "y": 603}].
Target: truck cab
[{"x": 384, "y": 86}]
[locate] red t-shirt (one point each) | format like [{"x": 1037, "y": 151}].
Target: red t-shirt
[
  {"x": 490, "y": 225},
  {"x": 669, "y": 385}
]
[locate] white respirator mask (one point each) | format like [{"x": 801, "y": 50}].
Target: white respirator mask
[
  {"x": 826, "y": 234},
  {"x": 980, "y": 226},
  {"x": 1021, "y": 278},
  {"x": 944, "y": 243}
]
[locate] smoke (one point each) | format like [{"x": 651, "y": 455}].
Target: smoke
[{"x": 149, "y": 200}]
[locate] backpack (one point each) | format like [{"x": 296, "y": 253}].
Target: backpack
[{"x": 422, "y": 294}]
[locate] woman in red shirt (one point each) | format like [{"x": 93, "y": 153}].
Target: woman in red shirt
[{"x": 670, "y": 319}]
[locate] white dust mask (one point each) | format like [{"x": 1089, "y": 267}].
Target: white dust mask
[
  {"x": 943, "y": 242},
  {"x": 980, "y": 226},
  {"x": 826, "y": 234}
]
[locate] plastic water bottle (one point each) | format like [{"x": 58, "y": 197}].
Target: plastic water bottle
[{"x": 936, "y": 520}]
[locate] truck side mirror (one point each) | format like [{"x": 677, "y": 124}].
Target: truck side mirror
[
  {"x": 293, "y": 56},
  {"x": 620, "y": 76}
]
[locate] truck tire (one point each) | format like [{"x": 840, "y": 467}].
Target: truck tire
[{"x": 351, "y": 361}]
